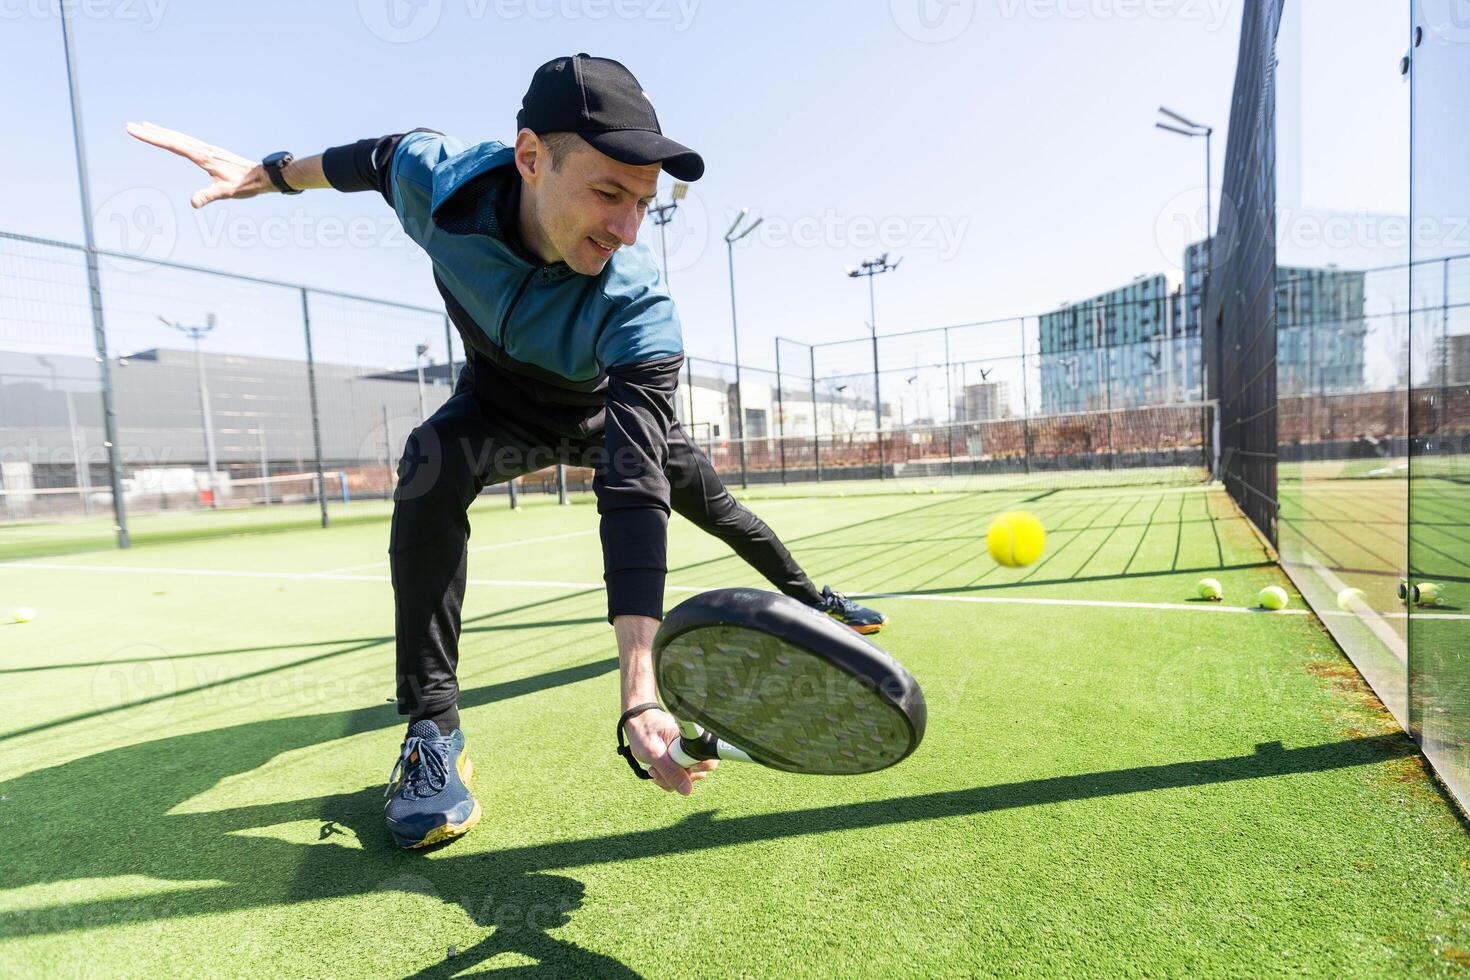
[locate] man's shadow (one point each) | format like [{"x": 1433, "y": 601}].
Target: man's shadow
[
  {"x": 125, "y": 811},
  {"x": 117, "y": 812}
]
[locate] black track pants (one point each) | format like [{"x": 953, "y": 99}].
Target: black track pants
[{"x": 459, "y": 451}]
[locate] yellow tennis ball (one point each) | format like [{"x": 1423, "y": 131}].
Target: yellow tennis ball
[
  {"x": 1210, "y": 588},
  {"x": 1016, "y": 538},
  {"x": 1273, "y": 597},
  {"x": 1352, "y": 600},
  {"x": 1426, "y": 594},
  {"x": 23, "y": 614}
]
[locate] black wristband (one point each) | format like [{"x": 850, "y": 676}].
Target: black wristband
[
  {"x": 623, "y": 749},
  {"x": 273, "y": 165}
]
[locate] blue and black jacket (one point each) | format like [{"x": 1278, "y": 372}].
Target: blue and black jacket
[{"x": 563, "y": 356}]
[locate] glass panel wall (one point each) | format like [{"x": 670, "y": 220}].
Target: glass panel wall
[
  {"x": 1439, "y": 469},
  {"x": 1342, "y": 318}
]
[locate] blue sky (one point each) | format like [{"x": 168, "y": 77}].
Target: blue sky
[{"x": 1004, "y": 148}]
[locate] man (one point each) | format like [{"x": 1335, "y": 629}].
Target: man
[{"x": 573, "y": 351}]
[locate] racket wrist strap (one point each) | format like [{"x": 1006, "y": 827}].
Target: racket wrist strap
[{"x": 624, "y": 749}]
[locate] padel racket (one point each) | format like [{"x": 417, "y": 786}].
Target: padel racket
[{"x": 761, "y": 677}]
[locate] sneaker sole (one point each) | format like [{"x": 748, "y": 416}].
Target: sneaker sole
[{"x": 449, "y": 831}]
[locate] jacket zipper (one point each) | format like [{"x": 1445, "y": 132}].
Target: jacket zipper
[{"x": 514, "y": 300}]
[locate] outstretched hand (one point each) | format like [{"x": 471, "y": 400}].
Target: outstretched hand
[
  {"x": 233, "y": 176},
  {"x": 649, "y": 735}
]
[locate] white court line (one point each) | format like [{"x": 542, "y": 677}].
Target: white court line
[
  {"x": 542, "y": 584},
  {"x": 484, "y": 547}
]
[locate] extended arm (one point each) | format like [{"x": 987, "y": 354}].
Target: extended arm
[{"x": 233, "y": 176}]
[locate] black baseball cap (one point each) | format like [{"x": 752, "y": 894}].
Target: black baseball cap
[{"x": 601, "y": 101}]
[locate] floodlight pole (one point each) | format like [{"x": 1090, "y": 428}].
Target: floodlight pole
[
  {"x": 1194, "y": 130},
  {"x": 418, "y": 365},
  {"x": 868, "y": 269},
  {"x": 94, "y": 289},
  {"x": 196, "y": 334},
  {"x": 731, "y": 237},
  {"x": 662, "y": 213}
]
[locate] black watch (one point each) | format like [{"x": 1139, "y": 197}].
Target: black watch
[{"x": 273, "y": 165}]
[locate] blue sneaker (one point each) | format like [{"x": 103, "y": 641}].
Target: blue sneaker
[
  {"x": 428, "y": 790},
  {"x": 844, "y": 610}
]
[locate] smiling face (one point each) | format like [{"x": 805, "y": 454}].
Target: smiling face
[{"x": 579, "y": 205}]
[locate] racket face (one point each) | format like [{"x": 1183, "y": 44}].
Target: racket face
[{"x": 794, "y": 689}]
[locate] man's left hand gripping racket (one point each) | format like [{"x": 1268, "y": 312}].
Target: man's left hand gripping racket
[{"x": 761, "y": 677}]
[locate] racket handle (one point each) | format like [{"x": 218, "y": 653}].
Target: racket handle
[{"x": 697, "y": 745}]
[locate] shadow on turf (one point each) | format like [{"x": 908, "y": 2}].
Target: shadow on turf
[{"x": 122, "y": 812}]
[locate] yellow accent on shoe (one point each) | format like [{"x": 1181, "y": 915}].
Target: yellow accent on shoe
[{"x": 450, "y": 830}]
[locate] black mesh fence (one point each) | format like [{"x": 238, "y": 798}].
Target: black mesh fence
[{"x": 1239, "y": 292}]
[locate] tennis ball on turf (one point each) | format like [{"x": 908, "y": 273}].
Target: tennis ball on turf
[
  {"x": 1352, "y": 600},
  {"x": 1273, "y": 597},
  {"x": 1016, "y": 538},
  {"x": 1210, "y": 588},
  {"x": 933, "y": 489},
  {"x": 1403, "y": 590},
  {"x": 23, "y": 614},
  {"x": 1426, "y": 594}
]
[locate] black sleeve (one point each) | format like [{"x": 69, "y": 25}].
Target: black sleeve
[
  {"x": 632, "y": 487},
  {"x": 365, "y": 165}
]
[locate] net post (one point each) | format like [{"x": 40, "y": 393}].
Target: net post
[
  {"x": 316, "y": 418},
  {"x": 515, "y": 495},
  {"x": 561, "y": 485}
]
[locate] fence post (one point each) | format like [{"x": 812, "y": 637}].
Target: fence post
[
  {"x": 94, "y": 289},
  {"x": 515, "y": 495},
  {"x": 1025, "y": 403},
  {"x": 316, "y": 421},
  {"x": 949, "y": 402},
  {"x": 780, "y": 413},
  {"x": 689, "y": 390},
  {"x": 561, "y": 484},
  {"x": 877, "y": 397},
  {"x": 449, "y": 350},
  {"x": 816, "y": 415}
]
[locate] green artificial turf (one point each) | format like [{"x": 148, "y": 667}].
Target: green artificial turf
[{"x": 192, "y": 764}]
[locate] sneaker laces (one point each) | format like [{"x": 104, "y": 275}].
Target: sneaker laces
[
  {"x": 428, "y": 774},
  {"x": 838, "y": 601}
]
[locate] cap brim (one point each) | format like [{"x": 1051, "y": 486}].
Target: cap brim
[{"x": 643, "y": 146}]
